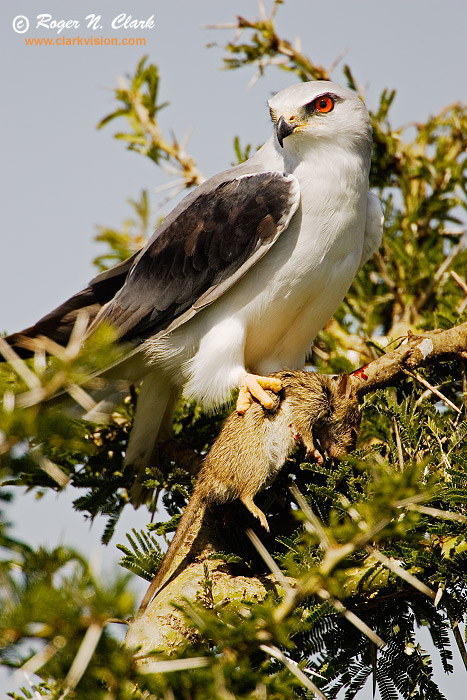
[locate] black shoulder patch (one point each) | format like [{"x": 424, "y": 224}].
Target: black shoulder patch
[{"x": 217, "y": 234}]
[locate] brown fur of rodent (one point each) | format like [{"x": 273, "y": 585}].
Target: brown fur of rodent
[{"x": 252, "y": 448}]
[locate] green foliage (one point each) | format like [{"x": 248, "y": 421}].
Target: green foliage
[
  {"x": 241, "y": 154},
  {"x": 141, "y": 91},
  {"x": 34, "y": 427},
  {"x": 45, "y": 447},
  {"x": 266, "y": 48},
  {"x": 146, "y": 556},
  {"x": 52, "y": 602},
  {"x": 132, "y": 237},
  {"x": 393, "y": 513},
  {"x": 138, "y": 106}
]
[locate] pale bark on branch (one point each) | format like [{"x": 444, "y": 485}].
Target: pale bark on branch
[{"x": 414, "y": 351}]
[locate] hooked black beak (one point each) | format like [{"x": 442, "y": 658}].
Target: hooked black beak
[{"x": 283, "y": 129}]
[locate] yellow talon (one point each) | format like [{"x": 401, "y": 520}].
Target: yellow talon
[{"x": 253, "y": 386}]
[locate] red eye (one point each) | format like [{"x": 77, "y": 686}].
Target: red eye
[{"x": 324, "y": 104}]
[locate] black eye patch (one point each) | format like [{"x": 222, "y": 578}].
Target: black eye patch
[{"x": 322, "y": 104}]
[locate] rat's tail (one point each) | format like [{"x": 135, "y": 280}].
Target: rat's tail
[{"x": 195, "y": 507}]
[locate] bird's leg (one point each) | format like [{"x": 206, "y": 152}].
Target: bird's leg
[{"x": 253, "y": 386}]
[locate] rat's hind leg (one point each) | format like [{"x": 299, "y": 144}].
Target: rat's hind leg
[{"x": 254, "y": 510}]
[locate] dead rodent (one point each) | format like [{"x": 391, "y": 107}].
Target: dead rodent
[{"x": 252, "y": 448}]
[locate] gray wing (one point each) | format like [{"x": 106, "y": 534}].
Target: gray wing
[
  {"x": 59, "y": 323},
  {"x": 198, "y": 254},
  {"x": 373, "y": 228}
]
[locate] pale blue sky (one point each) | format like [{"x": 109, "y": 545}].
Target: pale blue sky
[{"x": 61, "y": 177}]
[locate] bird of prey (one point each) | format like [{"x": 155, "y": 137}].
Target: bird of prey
[{"x": 243, "y": 273}]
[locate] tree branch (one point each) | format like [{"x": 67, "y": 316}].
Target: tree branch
[{"x": 414, "y": 351}]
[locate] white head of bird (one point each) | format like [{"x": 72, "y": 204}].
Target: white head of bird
[{"x": 320, "y": 115}]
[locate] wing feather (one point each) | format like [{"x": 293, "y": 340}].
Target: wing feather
[
  {"x": 373, "y": 228},
  {"x": 202, "y": 252},
  {"x": 59, "y": 323}
]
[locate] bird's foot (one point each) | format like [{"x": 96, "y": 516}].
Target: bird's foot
[{"x": 253, "y": 387}]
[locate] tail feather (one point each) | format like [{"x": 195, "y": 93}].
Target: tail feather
[{"x": 154, "y": 411}]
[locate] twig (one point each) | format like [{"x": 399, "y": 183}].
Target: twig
[
  {"x": 457, "y": 635},
  {"x": 293, "y": 668},
  {"x": 191, "y": 174},
  {"x": 437, "y": 513},
  {"x": 271, "y": 48},
  {"x": 440, "y": 272},
  {"x": 313, "y": 523},
  {"x": 36, "y": 662},
  {"x": 78, "y": 333},
  {"x": 432, "y": 388},
  {"x": 352, "y": 618},
  {"x": 399, "y": 446},
  {"x": 48, "y": 345},
  {"x": 402, "y": 573},
  {"x": 459, "y": 642},
  {"x": 19, "y": 365},
  {"x": 81, "y": 397},
  {"x": 174, "y": 665},
  {"x": 50, "y": 468},
  {"x": 82, "y": 658},
  {"x": 267, "y": 558},
  {"x": 459, "y": 280}
]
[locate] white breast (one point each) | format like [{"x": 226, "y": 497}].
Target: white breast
[{"x": 268, "y": 320}]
